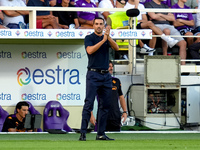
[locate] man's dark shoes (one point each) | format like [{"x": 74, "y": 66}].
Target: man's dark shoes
[
  {"x": 82, "y": 137},
  {"x": 103, "y": 137}
]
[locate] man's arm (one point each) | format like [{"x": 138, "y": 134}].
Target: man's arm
[
  {"x": 11, "y": 13},
  {"x": 105, "y": 14},
  {"x": 181, "y": 22},
  {"x": 12, "y": 130},
  {"x": 168, "y": 17},
  {"x": 144, "y": 18},
  {"x": 83, "y": 21},
  {"x": 76, "y": 23},
  {"x": 1, "y": 15},
  {"x": 91, "y": 49},
  {"x": 45, "y": 17},
  {"x": 92, "y": 119},
  {"x": 160, "y": 17},
  {"x": 113, "y": 44},
  {"x": 22, "y": 12},
  {"x": 123, "y": 105}
]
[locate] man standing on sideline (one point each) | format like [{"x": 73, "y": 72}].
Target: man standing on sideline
[{"x": 98, "y": 78}]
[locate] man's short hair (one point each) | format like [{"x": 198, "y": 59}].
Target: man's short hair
[
  {"x": 98, "y": 18},
  {"x": 20, "y": 104},
  {"x": 110, "y": 62}
]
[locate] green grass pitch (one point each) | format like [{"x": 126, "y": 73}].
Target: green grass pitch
[{"x": 123, "y": 141}]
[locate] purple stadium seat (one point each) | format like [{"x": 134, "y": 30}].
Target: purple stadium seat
[
  {"x": 3, "y": 115},
  {"x": 55, "y": 117},
  {"x": 33, "y": 111}
]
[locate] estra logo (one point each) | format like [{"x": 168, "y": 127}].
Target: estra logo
[
  {"x": 69, "y": 55},
  {"x": 23, "y": 72},
  {"x": 48, "y": 76},
  {"x": 68, "y": 96},
  {"x": 127, "y": 34},
  {"x": 36, "y": 54},
  {"x": 33, "y": 96},
  {"x": 65, "y": 34}
]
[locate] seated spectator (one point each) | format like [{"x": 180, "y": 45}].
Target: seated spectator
[
  {"x": 86, "y": 17},
  {"x": 106, "y": 4},
  {"x": 184, "y": 21},
  {"x": 96, "y": 2},
  {"x": 12, "y": 18},
  {"x": 66, "y": 18},
  {"x": 143, "y": 23},
  {"x": 190, "y": 3},
  {"x": 15, "y": 122},
  {"x": 118, "y": 19},
  {"x": 197, "y": 29},
  {"x": 45, "y": 19},
  {"x": 166, "y": 2},
  {"x": 162, "y": 21}
]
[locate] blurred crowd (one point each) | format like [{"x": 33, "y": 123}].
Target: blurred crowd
[{"x": 163, "y": 24}]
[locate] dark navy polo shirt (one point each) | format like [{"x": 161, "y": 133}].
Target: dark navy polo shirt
[
  {"x": 100, "y": 58},
  {"x": 39, "y": 3}
]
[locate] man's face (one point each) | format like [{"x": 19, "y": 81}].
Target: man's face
[
  {"x": 110, "y": 69},
  {"x": 23, "y": 111},
  {"x": 98, "y": 26}
]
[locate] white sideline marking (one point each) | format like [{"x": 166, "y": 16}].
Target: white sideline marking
[{"x": 163, "y": 132}]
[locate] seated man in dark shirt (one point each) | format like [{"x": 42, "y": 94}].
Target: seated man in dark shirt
[
  {"x": 45, "y": 19},
  {"x": 15, "y": 122},
  {"x": 66, "y": 18}
]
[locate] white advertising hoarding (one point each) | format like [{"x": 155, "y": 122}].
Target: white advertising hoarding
[
  {"x": 71, "y": 34},
  {"x": 40, "y": 73}
]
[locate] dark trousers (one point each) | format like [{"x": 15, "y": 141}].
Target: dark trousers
[
  {"x": 101, "y": 85},
  {"x": 194, "y": 51},
  {"x": 113, "y": 125}
]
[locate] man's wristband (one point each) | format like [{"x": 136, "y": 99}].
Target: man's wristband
[{"x": 125, "y": 112}]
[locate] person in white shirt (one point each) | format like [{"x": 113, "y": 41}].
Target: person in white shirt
[
  {"x": 106, "y": 4},
  {"x": 12, "y": 18}
]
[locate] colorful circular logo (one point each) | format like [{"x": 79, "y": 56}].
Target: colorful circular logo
[
  {"x": 120, "y": 33},
  {"x": 23, "y": 96},
  {"x": 23, "y": 54},
  {"x": 59, "y": 55},
  {"x": 58, "y": 96},
  {"x": 20, "y": 72},
  {"x": 57, "y": 34},
  {"x": 26, "y": 33}
]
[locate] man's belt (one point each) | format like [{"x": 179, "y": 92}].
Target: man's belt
[{"x": 98, "y": 70}]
